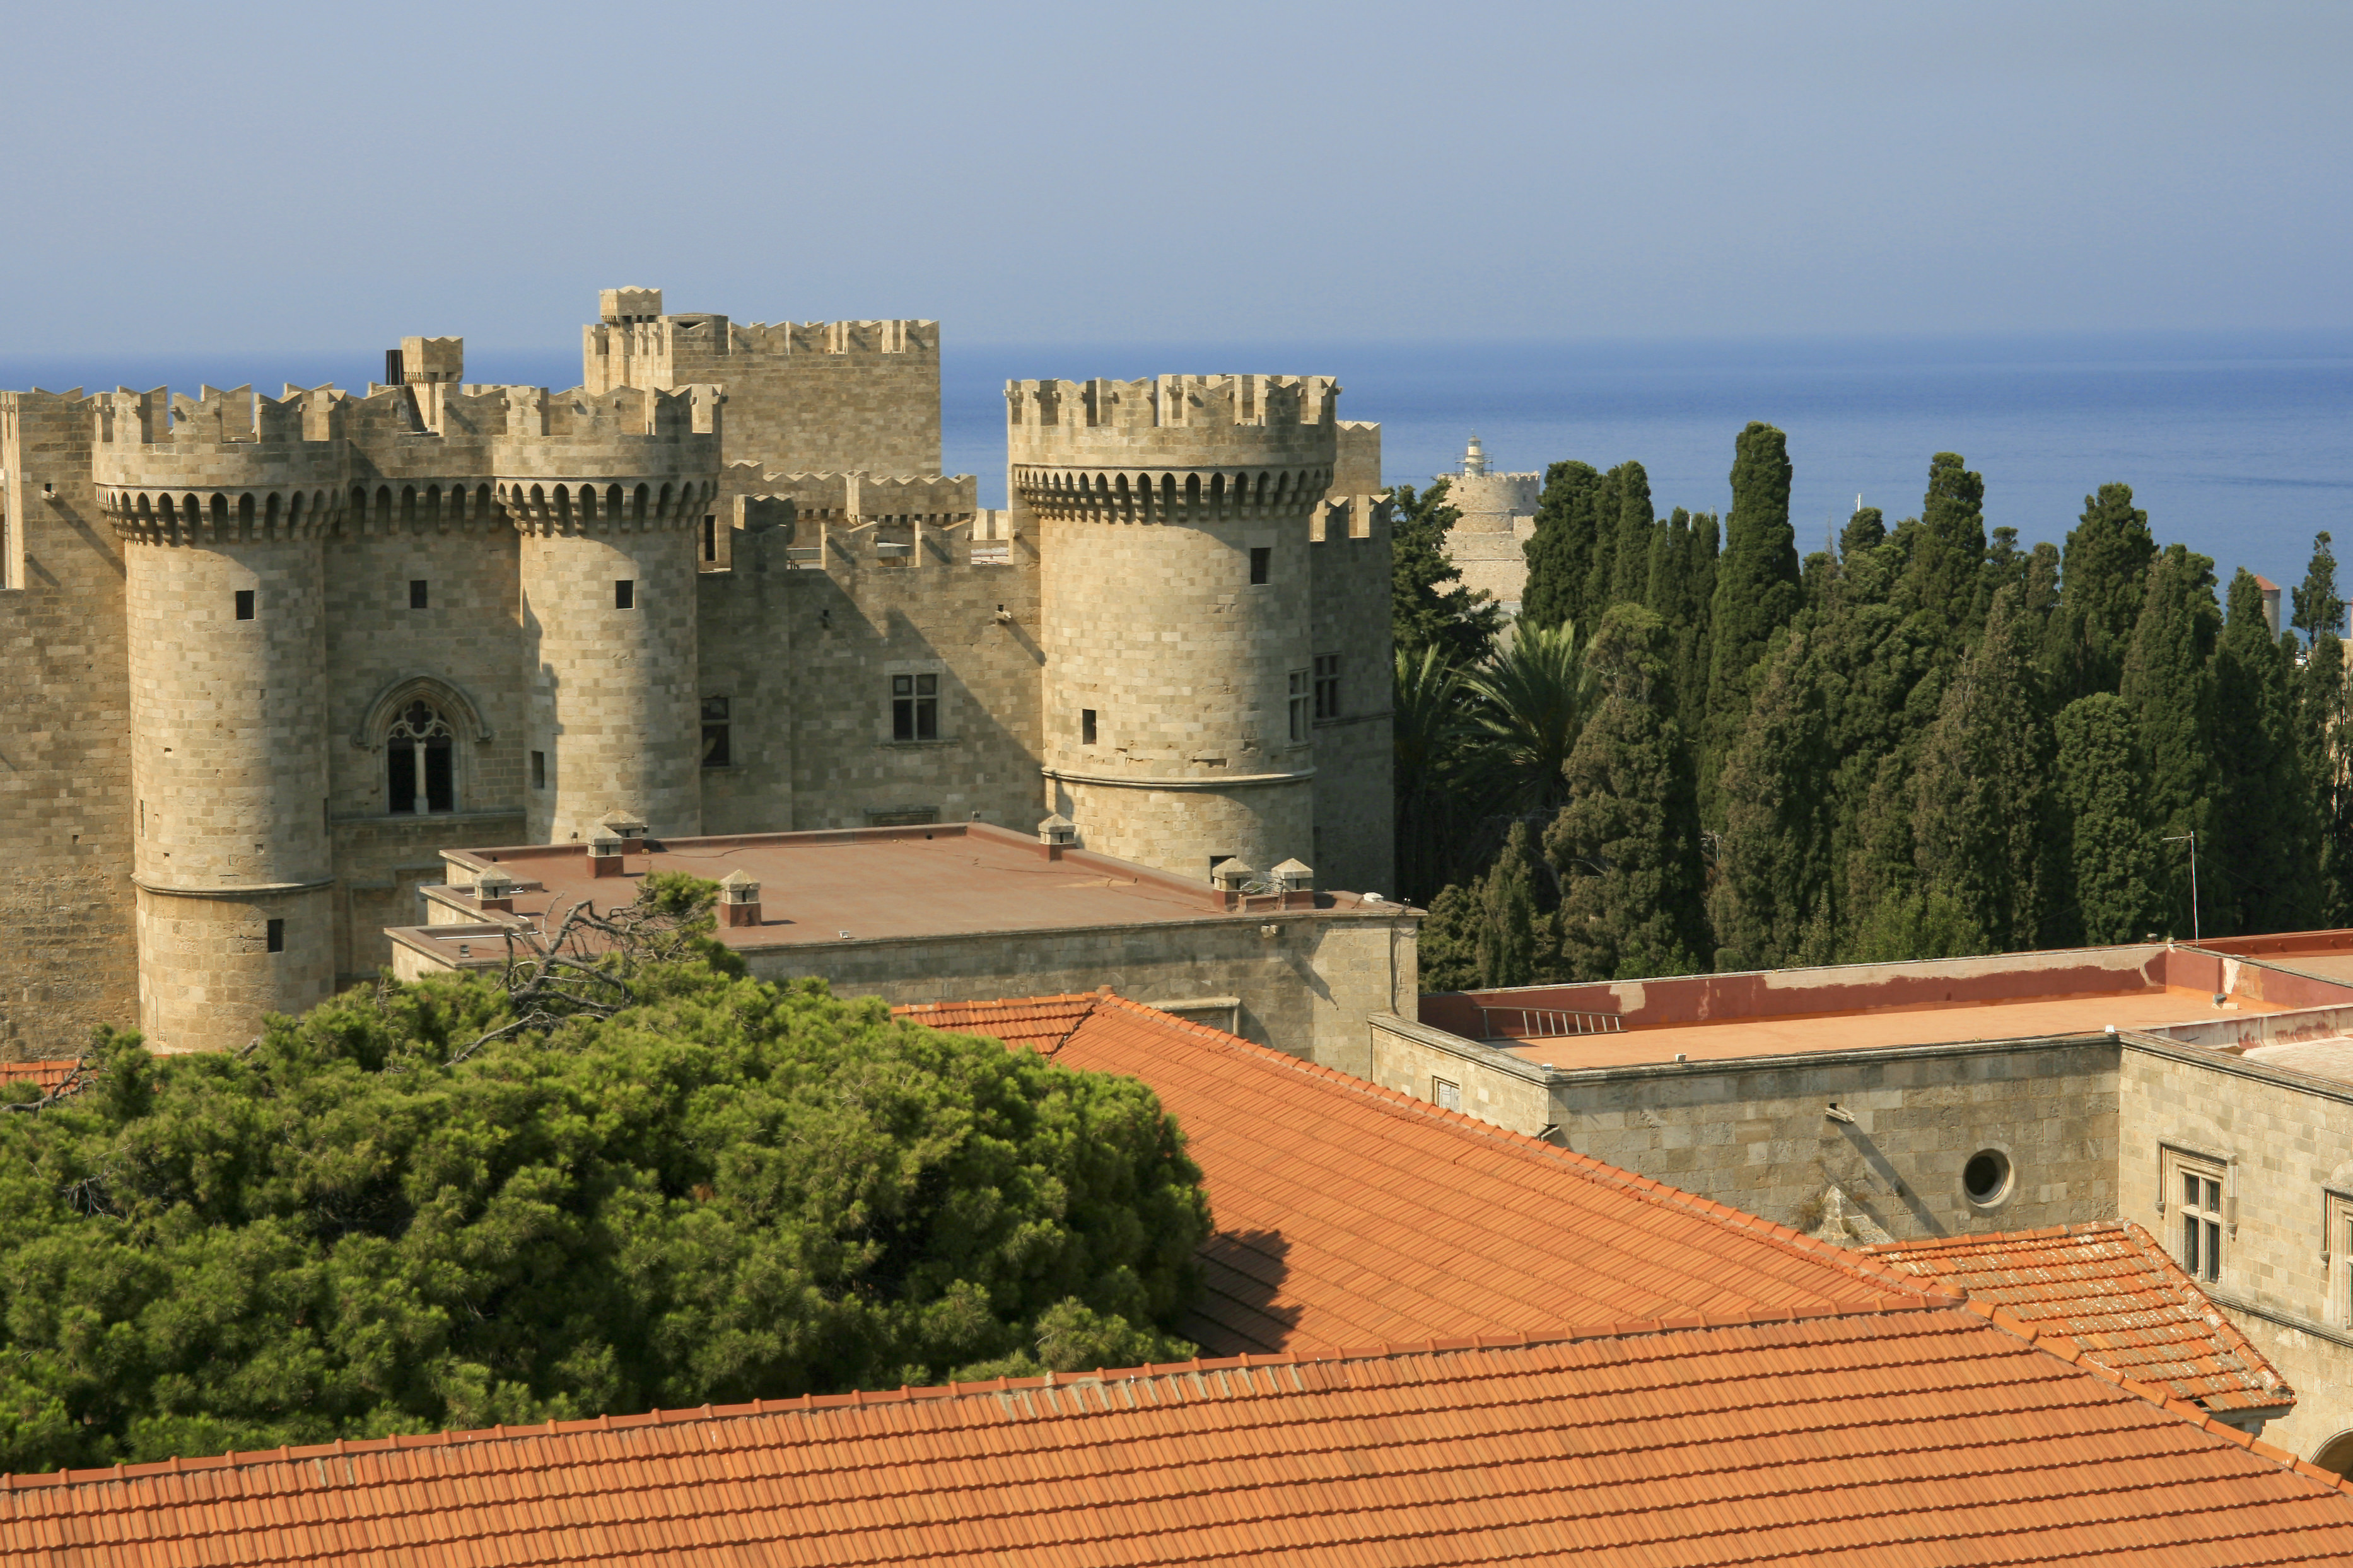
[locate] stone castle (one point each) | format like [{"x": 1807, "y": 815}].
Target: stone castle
[
  {"x": 271, "y": 656},
  {"x": 1488, "y": 543}
]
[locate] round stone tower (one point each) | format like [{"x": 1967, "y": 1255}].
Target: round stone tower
[
  {"x": 222, "y": 515},
  {"x": 1172, "y": 518},
  {"x": 609, "y": 492}
]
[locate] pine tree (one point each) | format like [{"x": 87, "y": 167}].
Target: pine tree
[
  {"x": 1757, "y": 587},
  {"x": 2317, "y": 608},
  {"x": 1985, "y": 828},
  {"x": 2107, "y": 562},
  {"x": 2168, "y": 681},
  {"x": 2113, "y": 881},
  {"x": 1947, "y": 581},
  {"x": 2258, "y": 867},
  {"x": 1423, "y": 612},
  {"x": 1560, "y": 552},
  {"x": 1627, "y": 841},
  {"x": 1772, "y": 902}
]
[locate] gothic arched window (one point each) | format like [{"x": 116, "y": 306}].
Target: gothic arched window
[{"x": 420, "y": 771}]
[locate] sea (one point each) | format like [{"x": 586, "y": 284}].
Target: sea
[{"x": 2239, "y": 446}]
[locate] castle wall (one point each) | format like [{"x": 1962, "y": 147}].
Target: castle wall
[
  {"x": 68, "y": 962},
  {"x": 861, "y": 618},
  {"x": 463, "y": 652},
  {"x": 1355, "y": 750}
]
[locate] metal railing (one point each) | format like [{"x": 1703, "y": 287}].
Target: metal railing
[{"x": 1545, "y": 1023}]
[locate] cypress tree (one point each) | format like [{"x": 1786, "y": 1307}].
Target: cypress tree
[
  {"x": 1947, "y": 581},
  {"x": 2113, "y": 890},
  {"x": 2317, "y": 608},
  {"x": 1771, "y": 904},
  {"x": 1985, "y": 825},
  {"x": 1865, "y": 530},
  {"x": 1627, "y": 843},
  {"x": 2258, "y": 869},
  {"x": 1423, "y": 611},
  {"x": 1560, "y": 552},
  {"x": 2107, "y": 562},
  {"x": 1757, "y": 587},
  {"x": 2323, "y": 716},
  {"x": 2168, "y": 681},
  {"x": 1678, "y": 593},
  {"x": 1507, "y": 940},
  {"x": 1449, "y": 952},
  {"x": 1630, "y": 576}
]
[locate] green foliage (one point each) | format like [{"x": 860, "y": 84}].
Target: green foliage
[
  {"x": 2168, "y": 683},
  {"x": 1423, "y": 612},
  {"x": 2318, "y": 607},
  {"x": 1627, "y": 842},
  {"x": 1772, "y": 901},
  {"x": 1682, "y": 582},
  {"x": 2324, "y": 736},
  {"x": 2265, "y": 835},
  {"x": 1947, "y": 581},
  {"x": 2107, "y": 562},
  {"x": 726, "y": 1190},
  {"x": 1621, "y": 556},
  {"x": 1756, "y": 585},
  {"x": 1509, "y": 946},
  {"x": 1532, "y": 697},
  {"x": 2112, "y": 864},
  {"x": 1560, "y": 552},
  {"x": 1986, "y": 837},
  {"x": 1437, "y": 813},
  {"x": 1450, "y": 939}
]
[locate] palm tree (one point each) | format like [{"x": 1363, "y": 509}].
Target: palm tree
[
  {"x": 1431, "y": 729},
  {"x": 1533, "y": 696}
]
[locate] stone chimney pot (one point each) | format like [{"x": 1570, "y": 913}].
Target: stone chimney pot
[{"x": 739, "y": 899}]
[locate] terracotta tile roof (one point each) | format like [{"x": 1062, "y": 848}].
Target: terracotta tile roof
[
  {"x": 2109, "y": 1287},
  {"x": 46, "y": 1075},
  {"x": 1349, "y": 1214},
  {"x": 1925, "y": 1437}
]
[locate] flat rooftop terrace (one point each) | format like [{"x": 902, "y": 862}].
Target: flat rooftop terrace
[
  {"x": 2186, "y": 992},
  {"x": 852, "y": 884}
]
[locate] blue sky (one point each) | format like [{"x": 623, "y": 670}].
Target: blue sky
[{"x": 290, "y": 177}]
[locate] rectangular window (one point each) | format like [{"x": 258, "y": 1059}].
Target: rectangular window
[
  {"x": 277, "y": 936},
  {"x": 2336, "y": 1247},
  {"x": 625, "y": 594},
  {"x": 1299, "y": 701},
  {"x": 914, "y": 707},
  {"x": 710, "y": 537},
  {"x": 1327, "y": 685},
  {"x": 1086, "y": 726},
  {"x": 1261, "y": 561},
  {"x": 245, "y": 604},
  {"x": 2196, "y": 1186},
  {"x": 1448, "y": 1095},
  {"x": 715, "y": 732},
  {"x": 539, "y": 770},
  {"x": 416, "y": 594}
]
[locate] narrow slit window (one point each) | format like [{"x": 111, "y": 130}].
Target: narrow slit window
[
  {"x": 710, "y": 537},
  {"x": 914, "y": 707},
  {"x": 275, "y": 935},
  {"x": 1327, "y": 685},
  {"x": 539, "y": 770},
  {"x": 1298, "y": 700},
  {"x": 715, "y": 726},
  {"x": 245, "y": 604},
  {"x": 419, "y": 596},
  {"x": 1261, "y": 562},
  {"x": 1086, "y": 726},
  {"x": 625, "y": 594}
]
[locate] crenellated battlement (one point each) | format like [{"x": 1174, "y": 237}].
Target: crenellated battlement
[
  {"x": 855, "y": 498},
  {"x": 1195, "y": 423},
  {"x": 626, "y": 349}
]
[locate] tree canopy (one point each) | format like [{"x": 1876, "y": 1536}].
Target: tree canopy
[{"x": 724, "y": 1190}]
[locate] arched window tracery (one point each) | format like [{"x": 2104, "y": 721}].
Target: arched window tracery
[{"x": 420, "y": 762}]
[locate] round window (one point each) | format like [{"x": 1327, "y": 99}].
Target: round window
[{"x": 1986, "y": 1178}]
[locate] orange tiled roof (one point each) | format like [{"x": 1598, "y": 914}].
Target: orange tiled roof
[
  {"x": 2112, "y": 1289},
  {"x": 1920, "y": 1436},
  {"x": 46, "y": 1075},
  {"x": 1349, "y": 1214}
]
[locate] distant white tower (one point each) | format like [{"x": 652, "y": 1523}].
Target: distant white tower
[{"x": 1498, "y": 514}]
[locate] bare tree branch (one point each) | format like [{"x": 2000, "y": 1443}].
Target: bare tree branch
[
  {"x": 583, "y": 969},
  {"x": 77, "y": 1077}
]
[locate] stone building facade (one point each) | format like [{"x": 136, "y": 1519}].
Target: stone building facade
[
  {"x": 273, "y": 656},
  {"x": 1488, "y": 543}
]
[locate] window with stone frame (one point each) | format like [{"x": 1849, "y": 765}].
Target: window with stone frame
[
  {"x": 2337, "y": 1248},
  {"x": 915, "y": 706},
  {"x": 1299, "y": 699},
  {"x": 2195, "y": 1191},
  {"x": 716, "y": 738},
  {"x": 1327, "y": 685},
  {"x": 1449, "y": 1096},
  {"x": 420, "y": 762}
]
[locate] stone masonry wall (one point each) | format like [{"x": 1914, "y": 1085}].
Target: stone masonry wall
[
  {"x": 1355, "y": 840},
  {"x": 2287, "y": 1142},
  {"x": 68, "y": 962}
]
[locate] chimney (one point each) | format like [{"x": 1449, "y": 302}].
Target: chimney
[
  {"x": 1058, "y": 832},
  {"x": 1233, "y": 874},
  {"x": 630, "y": 829},
  {"x": 605, "y": 853},
  {"x": 739, "y": 899},
  {"x": 493, "y": 889},
  {"x": 1291, "y": 878}
]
